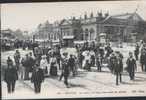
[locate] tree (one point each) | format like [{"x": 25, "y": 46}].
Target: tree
[{"x": 19, "y": 34}]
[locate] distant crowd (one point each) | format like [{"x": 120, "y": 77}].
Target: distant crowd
[{"x": 15, "y": 44}]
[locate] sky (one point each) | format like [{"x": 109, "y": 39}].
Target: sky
[{"x": 27, "y": 16}]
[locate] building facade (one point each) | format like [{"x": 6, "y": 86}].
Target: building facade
[
  {"x": 7, "y": 34},
  {"x": 55, "y": 34},
  {"x": 44, "y": 31},
  {"x": 115, "y": 27},
  {"x": 88, "y": 28},
  {"x": 121, "y": 27}
]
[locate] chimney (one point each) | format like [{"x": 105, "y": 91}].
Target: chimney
[
  {"x": 80, "y": 17},
  {"x": 85, "y": 16},
  {"x": 74, "y": 17},
  {"x": 100, "y": 14},
  {"x": 106, "y": 14},
  {"x": 91, "y": 16}
]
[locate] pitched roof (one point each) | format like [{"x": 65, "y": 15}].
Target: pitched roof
[
  {"x": 111, "y": 20},
  {"x": 88, "y": 20},
  {"x": 66, "y": 22},
  {"x": 121, "y": 18}
]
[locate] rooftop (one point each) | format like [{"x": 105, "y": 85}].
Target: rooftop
[{"x": 123, "y": 16}]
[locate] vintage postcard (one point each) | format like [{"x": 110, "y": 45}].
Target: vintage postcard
[{"x": 73, "y": 49}]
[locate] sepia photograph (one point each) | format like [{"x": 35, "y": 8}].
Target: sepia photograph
[{"x": 86, "y": 49}]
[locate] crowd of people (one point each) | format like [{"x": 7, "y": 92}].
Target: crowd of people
[
  {"x": 42, "y": 63},
  {"x": 9, "y": 44}
]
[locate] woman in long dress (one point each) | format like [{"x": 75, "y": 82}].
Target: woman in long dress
[
  {"x": 44, "y": 65},
  {"x": 87, "y": 61},
  {"x": 53, "y": 66}
]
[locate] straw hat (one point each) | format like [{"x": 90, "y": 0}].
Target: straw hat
[{"x": 44, "y": 56}]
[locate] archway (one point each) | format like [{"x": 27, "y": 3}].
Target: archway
[{"x": 92, "y": 34}]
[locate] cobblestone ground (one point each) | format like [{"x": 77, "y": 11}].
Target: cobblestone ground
[{"x": 85, "y": 84}]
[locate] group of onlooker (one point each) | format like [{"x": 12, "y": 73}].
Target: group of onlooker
[{"x": 48, "y": 63}]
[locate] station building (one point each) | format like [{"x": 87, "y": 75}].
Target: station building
[
  {"x": 120, "y": 27},
  {"x": 116, "y": 27}
]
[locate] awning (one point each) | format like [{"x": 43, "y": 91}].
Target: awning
[
  {"x": 133, "y": 33},
  {"x": 102, "y": 34},
  {"x": 55, "y": 41},
  {"x": 41, "y": 40},
  {"x": 68, "y": 37},
  {"x": 79, "y": 42}
]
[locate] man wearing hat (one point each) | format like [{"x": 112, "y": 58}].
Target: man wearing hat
[
  {"x": 143, "y": 60},
  {"x": 109, "y": 50},
  {"x": 98, "y": 63},
  {"x": 136, "y": 51},
  {"x": 31, "y": 60},
  {"x": 37, "y": 78},
  {"x": 65, "y": 69},
  {"x": 17, "y": 59},
  {"x": 131, "y": 66},
  {"x": 26, "y": 64},
  {"x": 118, "y": 68},
  {"x": 112, "y": 62},
  {"x": 71, "y": 63},
  {"x": 10, "y": 77},
  {"x": 9, "y": 61},
  {"x": 101, "y": 52}
]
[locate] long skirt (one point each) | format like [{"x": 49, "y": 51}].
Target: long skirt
[{"x": 53, "y": 70}]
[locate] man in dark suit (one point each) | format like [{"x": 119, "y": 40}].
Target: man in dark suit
[
  {"x": 27, "y": 65},
  {"x": 10, "y": 78},
  {"x": 71, "y": 63},
  {"x": 31, "y": 62},
  {"x": 9, "y": 62},
  {"x": 118, "y": 68},
  {"x": 98, "y": 62},
  {"x": 131, "y": 66},
  {"x": 101, "y": 52},
  {"x": 136, "y": 51},
  {"x": 109, "y": 50},
  {"x": 37, "y": 78},
  {"x": 17, "y": 59},
  {"x": 143, "y": 60},
  {"x": 112, "y": 62},
  {"x": 65, "y": 69}
]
